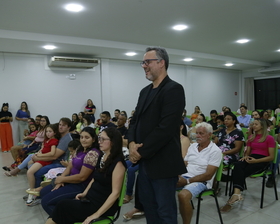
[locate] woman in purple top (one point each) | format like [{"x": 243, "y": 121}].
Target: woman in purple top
[
  {"x": 77, "y": 174},
  {"x": 22, "y": 116}
]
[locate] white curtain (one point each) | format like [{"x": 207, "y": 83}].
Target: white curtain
[{"x": 249, "y": 93}]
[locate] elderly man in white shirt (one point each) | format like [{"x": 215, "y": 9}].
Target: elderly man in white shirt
[{"x": 202, "y": 161}]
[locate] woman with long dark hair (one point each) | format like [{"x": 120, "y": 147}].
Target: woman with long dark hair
[
  {"x": 100, "y": 198},
  {"x": 77, "y": 174},
  {"x": 260, "y": 151}
]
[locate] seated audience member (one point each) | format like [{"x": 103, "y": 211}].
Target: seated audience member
[
  {"x": 255, "y": 115},
  {"x": 19, "y": 153},
  {"x": 75, "y": 121},
  {"x": 123, "y": 112},
  {"x": 121, "y": 124},
  {"x": 117, "y": 112},
  {"x": 202, "y": 161},
  {"x": 244, "y": 118},
  {"x": 260, "y": 151},
  {"x": 38, "y": 119},
  {"x": 186, "y": 120},
  {"x": 53, "y": 173},
  {"x": 90, "y": 110},
  {"x": 77, "y": 174},
  {"x": 61, "y": 152},
  {"x": 192, "y": 131},
  {"x": 102, "y": 192},
  {"x": 270, "y": 117},
  {"x": 230, "y": 140},
  {"x": 87, "y": 122},
  {"x": 238, "y": 112},
  {"x": 98, "y": 122},
  {"x": 105, "y": 119},
  {"x": 223, "y": 110},
  {"x": 220, "y": 124},
  {"x": 80, "y": 123},
  {"x": 27, "y": 131},
  {"x": 196, "y": 112},
  {"x": 265, "y": 116},
  {"x": 48, "y": 149},
  {"x": 24, "y": 143},
  {"x": 213, "y": 122},
  {"x": 277, "y": 110}
]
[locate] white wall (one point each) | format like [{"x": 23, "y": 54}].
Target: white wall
[{"x": 113, "y": 84}]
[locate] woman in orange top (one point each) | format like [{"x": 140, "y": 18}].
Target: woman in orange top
[{"x": 195, "y": 113}]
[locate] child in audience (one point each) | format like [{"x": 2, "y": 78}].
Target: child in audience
[
  {"x": 30, "y": 137},
  {"x": 53, "y": 173},
  {"x": 220, "y": 123},
  {"x": 48, "y": 149}
]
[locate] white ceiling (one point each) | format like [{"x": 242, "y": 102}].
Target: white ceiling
[{"x": 110, "y": 28}]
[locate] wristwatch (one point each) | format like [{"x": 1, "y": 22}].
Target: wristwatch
[{"x": 188, "y": 181}]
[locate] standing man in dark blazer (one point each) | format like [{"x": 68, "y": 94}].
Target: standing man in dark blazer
[{"x": 154, "y": 139}]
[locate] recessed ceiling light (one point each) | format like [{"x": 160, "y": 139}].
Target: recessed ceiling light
[
  {"x": 228, "y": 64},
  {"x": 188, "y": 59},
  {"x": 49, "y": 47},
  {"x": 180, "y": 27},
  {"x": 278, "y": 50},
  {"x": 242, "y": 41},
  {"x": 74, "y": 7},
  {"x": 130, "y": 54}
]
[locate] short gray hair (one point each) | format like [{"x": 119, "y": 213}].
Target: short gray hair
[
  {"x": 161, "y": 54},
  {"x": 208, "y": 127}
]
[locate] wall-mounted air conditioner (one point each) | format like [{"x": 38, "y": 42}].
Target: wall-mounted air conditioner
[{"x": 73, "y": 62}]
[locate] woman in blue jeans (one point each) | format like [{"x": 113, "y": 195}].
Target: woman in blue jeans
[{"x": 77, "y": 174}]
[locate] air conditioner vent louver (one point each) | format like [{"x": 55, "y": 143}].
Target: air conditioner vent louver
[{"x": 71, "y": 62}]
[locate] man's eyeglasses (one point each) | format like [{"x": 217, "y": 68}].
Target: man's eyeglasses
[
  {"x": 101, "y": 139},
  {"x": 148, "y": 61}
]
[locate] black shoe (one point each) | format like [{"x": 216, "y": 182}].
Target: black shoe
[
  {"x": 6, "y": 168},
  {"x": 269, "y": 182}
]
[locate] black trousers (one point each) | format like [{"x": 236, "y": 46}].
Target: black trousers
[{"x": 242, "y": 169}]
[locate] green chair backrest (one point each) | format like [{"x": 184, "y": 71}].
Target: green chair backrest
[
  {"x": 277, "y": 118},
  {"x": 234, "y": 112},
  {"x": 194, "y": 123},
  {"x": 249, "y": 112},
  {"x": 245, "y": 133},
  {"x": 220, "y": 170},
  {"x": 276, "y": 153},
  {"x": 272, "y": 132}
]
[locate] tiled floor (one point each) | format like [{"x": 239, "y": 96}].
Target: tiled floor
[{"x": 14, "y": 210}]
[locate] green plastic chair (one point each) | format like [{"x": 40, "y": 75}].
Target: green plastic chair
[
  {"x": 249, "y": 112},
  {"x": 234, "y": 112},
  {"x": 268, "y": 171},
  {"x": 112, "y": 219},
  {"x": 272, "y": 133},
  {"x": 194, "y": 123},
  {"x": 211, "y": 192},
  {"x": 245, "y": 133},
  {"x": 277, "y": 118}
]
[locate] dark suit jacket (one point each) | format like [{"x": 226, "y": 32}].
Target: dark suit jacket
[{"x": 160, "y": 118}]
